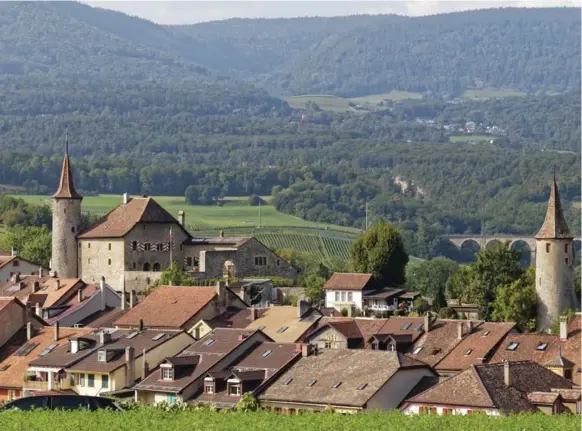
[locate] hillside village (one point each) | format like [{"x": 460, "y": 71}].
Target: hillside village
[{"x": 92, "y": 325}]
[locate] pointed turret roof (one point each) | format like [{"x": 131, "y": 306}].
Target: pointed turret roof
[
  {"x": 554, "y": 226},
  {"x": 66, "y": 188}
]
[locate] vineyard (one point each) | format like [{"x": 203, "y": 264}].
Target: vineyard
[{"x": 152, "y": 419}]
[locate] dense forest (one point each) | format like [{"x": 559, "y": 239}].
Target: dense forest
[{"x": 154, "y": 110}]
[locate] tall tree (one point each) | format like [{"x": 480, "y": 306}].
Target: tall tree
[
  {"x": 429, "y": 277},
  {"x": 380, "y": 251},
  {"x": 516, "y": 302},
  {"x": 33, "y": 243}
]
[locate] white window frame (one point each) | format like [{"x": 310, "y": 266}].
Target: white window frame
[
  {"x": 209, "y": 388},
  {"x": 337, "y": 297},
  {"x": 167, "y": 373},
  {"x": 236, "y": 386},
  {"x": 102, "y": 356}
]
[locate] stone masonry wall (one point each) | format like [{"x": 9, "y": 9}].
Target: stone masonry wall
[
  {"x": 101, "y": 258},
  {"x": 66, "y": 225}
]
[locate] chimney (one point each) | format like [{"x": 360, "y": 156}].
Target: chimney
[
  {"x": 80, "y": 295},
  {"x": 41, "y": 272},
  {"x": 104, "y": 337},
  {"x": 506, "y": 374},
  {"x": 469, "y": 327},
  {"x": 302, "y": 308},
  {"x": 73, "y": 345},
  {"x": 123, "y": 292},
  {"x": 35, "y": 286},
  {"x": 221, "y": 293},
  {"x": 21, "y": 285},
  {"x": 14, "y": 251},
  {"x": 140, "y": 325},
  {"x": 130, "y": 367},
  {"x": 131, "y": 299},
  {"x": 427, "y": 321},
  {"x": 52, "y": 273},
  {"x": 181, "y": 218},
  {"x": 125, "y": 198},
  {"x": 460, "y": 330},
  {"x": 145, "y": 369},
  {"x": 29, "y": 330},
  {"x": 38, "y": 310},
  {"x": 254, "y": 313},
  {"x": 305, "y": 350},
  {"x": 56, "y": 332},
  {"x": 58, "y": 283},
  {"x": 563, "y": 328},
  {"x": 103, "y": 298}
]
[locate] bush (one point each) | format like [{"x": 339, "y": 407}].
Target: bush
[
  {"x": 344, "y": 312},
  {"x": 447, "y": 313}
]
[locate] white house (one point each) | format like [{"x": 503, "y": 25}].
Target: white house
[{"x": 346, "y": 290}]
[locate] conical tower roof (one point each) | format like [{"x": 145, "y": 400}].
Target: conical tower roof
[
  {"x": 66, "y": 188},
  {"x": 554, "y": 226}
]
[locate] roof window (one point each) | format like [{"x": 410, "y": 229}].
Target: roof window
[
  {"x": 157, "y": 337},
  {"x": 417, "y": 350},
  {"x": 542, "y": 347},
  {"x": 337, "y": 385},
  {"x": 311, "y": 383},
  {"x": 133, "y": 334},
  {"x": 486, "y": 333},
  {"x": 418, "y": 327},
  {"x": 266, "y": 353},
  {"x": 362, "y": 386},
  {"x": 48, "y": 350},
  {"x": 209, "y": 342},
  {"x": 282, "y": 329},
  {"x": 468, "y": 352},
  {"x": 405, "y": 326},
  {"x": 512, "y": 346},
  {"x": 287, "y": 381}
]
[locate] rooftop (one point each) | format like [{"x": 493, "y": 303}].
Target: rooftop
[
  {"x": 282, "y": 323},
  {"x": 66, "y": 188},
  {"x": 350, "y": 281},
  {"x": 555, "y": 225},
  {"x": 50, "y": 289}
]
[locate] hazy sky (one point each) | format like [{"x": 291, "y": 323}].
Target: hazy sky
[{"x": 189, "y": 12}]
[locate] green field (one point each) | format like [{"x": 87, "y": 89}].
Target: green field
[
  {"x": 151, "y": 419},
  {"x": 374, "y": 99},
  {"x": 492, "y": 93},
  {"x": 339, "y": 104},
  {"x": 468, "y": 138}
]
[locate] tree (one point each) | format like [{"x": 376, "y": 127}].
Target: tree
[
  {"x": 174, "y": 276},
  {"x": 421, "y": 306},
  {"x": 33, "y": 243},
  {"x": 247, "y": 403},
  {"x": 192, "y": 195},
  {"x": 447, "y": 313},
  {"x": 429, "y": 277},
  {"x": 314, "y": 288},
  {"x": 517, "y": 302},
  {"x": 380, "y": 251},
  {"x": 439, "y": 301}
]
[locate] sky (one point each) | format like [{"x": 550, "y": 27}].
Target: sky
[{"x": 190, "y": 12}]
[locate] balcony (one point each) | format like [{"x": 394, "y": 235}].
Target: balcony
[
  {"x": 39, "y": 385},
  {"x": 380, "y": 307}
]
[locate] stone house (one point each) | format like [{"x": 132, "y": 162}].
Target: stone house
[{"x": 12, "y": 265}]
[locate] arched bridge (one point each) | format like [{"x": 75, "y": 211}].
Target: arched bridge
[{"x": 488, "y": 241}]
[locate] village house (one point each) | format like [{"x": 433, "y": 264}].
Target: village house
[
  {"x": 348, "y": 381},
  {"x": 11, "y": 264},
  {"x": 495, "y": 389},
  {"x": 180, "y": 308},
  {"x": 181, "y": 377},
  {"x": 104, "y": 361},
  {"x": 14, "y": 316}
]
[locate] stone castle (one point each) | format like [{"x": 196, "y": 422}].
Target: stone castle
[
  {"x": 138, "y": 239},
  {"x": 554, "y": 264}
]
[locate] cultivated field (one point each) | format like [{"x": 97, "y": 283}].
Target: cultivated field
[
  {"x": 374, "y": 99},
  {"x": 339, "y": 104},
  {"x": 468, "y": 138},
  {"x": 492, "y": 93}
]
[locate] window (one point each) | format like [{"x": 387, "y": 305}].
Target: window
[
  {"x": 90, "y": 380},
  {"x": 196, "y": 262},
  {"x": 337, "y": 385},
  {"x": 167, "y": 374},
  {"x": 542, "y": 346},
  {"x": 566, "y": 248},
  {"x": 133, "y": 265},
  {"x": 337, "y": 297},
  {"x": 512, "y": 346},
  {"x": 16, "y": 263},
  {"x": 260, "y": 260},
  {"x": 105, "y": 381},
  {"x": 29, "y": 403},
  {"x": 209, "y": 342},
  {"x": 350, "y": 296},
  {"x": 328, "y": 344},
  {"x": 547, "y": 247},
  {"x": 278, "y": 262},
  {"x": 147, "y": 246},
  {"x": 447, "y": 412},
  {"x": 311, "y": 383},
  {"x": 417, "y": 351},
  {"x": 88, "y": 245},
  {"x": 109, "y": 262},
  {"x": 362, "y": 386},
  {"x": 234, "y": 390},
  {"x": 73, "y": 229},
  {"x": 109, "y": 246},
  {"x": 433, "y": 410},
  {"x": 102, "y": 356},
  {"x": 81, "y": 379},
  {"x": 469, "y": 412},
  {"x": 209, "y": 389},
  {"x": 189, "y": 261},
  {"x": 133, "y": 245},
  {"x": 266, "y": 353},
  {"x": 567, "y": 261},
  {"x": 343, "y": 296},
  {"x": 159, "y": 247},
  {"x": 468, "y": 352},
  {"x": 171, "y": 399},
  {"x": 146, "y": 266},
  {"x": 405, "y": 326},
  {"x": 568, "y": 373},
  {"x": 156, "y": 267}
]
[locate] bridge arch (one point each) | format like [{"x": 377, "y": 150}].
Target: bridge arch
[
  {"x": 492, "y": 244},
  {"x": 526, "y": 250},
  {"x": 469, "y": 249}
]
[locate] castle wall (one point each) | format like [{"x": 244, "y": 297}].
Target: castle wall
[
  {"x": 66, "y": 225},
  {"x": 554, "y": 280},
  {"x": 101, "y": 258}
]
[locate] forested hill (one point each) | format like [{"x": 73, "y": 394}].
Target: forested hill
[{"x": 525, "y": 49}]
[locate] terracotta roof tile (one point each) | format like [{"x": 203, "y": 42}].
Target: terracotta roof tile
[
  {"x": 168, "y": 307},
  {"x": 548, "y": 398},
  {"x": 51, "y": 295},
  {"x": 274, "y": 320},
  {"x": 66, "y": 188},
  {"x": 432, "y": 346},
  {"x": 350, "y": 281},
  {"x": 555, "y": 225},
  {"x": 122, "y": 219}
]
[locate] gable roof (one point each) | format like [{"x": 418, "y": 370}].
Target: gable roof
[
  {"x": 168, "y": 307},
  {"x": 483, "y": 386},
  {"x": 66, "y": 188},
  {"x": 48, "y": 295},
  {"x": 435, "y": 344},
  {"x": 357, "y": 371},
  {"x": 273, "y": 320},
  {"x": 555, "y": 226},
  {"x": 349, "y": 281},
  {"x": 122, "y": 219}
]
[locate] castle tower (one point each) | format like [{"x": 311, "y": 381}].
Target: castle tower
[
  {"x": 554, "y": 264},
  {"x": 66, "y": 222}
]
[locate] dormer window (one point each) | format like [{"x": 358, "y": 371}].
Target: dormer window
[
  {"x": 102, "y": 356},
  {"x": 209, "y": 387},
  {"x": 234, "y": 389},
  {"x": 167, "y": 373}
]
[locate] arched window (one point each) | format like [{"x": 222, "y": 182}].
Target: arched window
[
  {"x": 146, "y": 266},
  {"x": 156, "y": 267}
]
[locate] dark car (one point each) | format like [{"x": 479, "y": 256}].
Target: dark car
[{"x": 62, "y": 402}]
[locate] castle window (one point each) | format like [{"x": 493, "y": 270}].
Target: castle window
[
  {"x": 134, "y": 265},
  {"x": 260, "y": 260},
  {"x": 567, "y": 261},
  {"x": 566, "y": 248},
  {"x": 156, "y": 267},
  {"x": 196, "y": 262},
  {"x": 278, "y": 262},
  {"x": 547, "y": 247},
  {"x": 159, "y": 247},
  {"x": 147, "y": 246},
  {"x": 109, "y": 262},
  {"x": 109, "y": 246},
  {"x": 88, "y": 245},
  {"x": 73, "y": 229},
  {"x": 133, "y": 245},
  {"x": 146, "y": 266},
  {"x": 189, "y": 261}
]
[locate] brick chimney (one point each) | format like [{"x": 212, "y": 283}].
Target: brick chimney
[
  {"x": 563, "y": 328},
  {"x": 470, "y": 327},
  {"x": 181, "y": 218},
  {"x": 506, "y": 374},
  {"x": 130, "y": 366},
  {"x": 221, "y": 293},
  {"x": 254, "y": 314},
  {"x": 80, "y": 295},
  {"x": 58, "y": 281},
  {"x": 141, "y": 327},
  {"x": 306, "y": 350},
  {"x": 460, "y": 330},
  {"x": 35, "y": 286},
  {"x": 102, "y": 294},
  {"x": 145, "y": 369},
  {"x": 29, "y": 330},
  {"x": 41, "y": 272},
  {"x": 427, "y": 321},
  {"x": 123, "y": 292},
  {"x": 104, "y": 337},
  {"x": 56, "y": 332}
]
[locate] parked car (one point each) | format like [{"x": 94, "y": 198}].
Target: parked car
[{"x": 62, "y": 402}]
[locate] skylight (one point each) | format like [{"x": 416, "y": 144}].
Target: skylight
[
  {"x": 282, "y": 329},
  {"x": 337, "y": 385},
  {"x": 362, "y": 386},
  {"x": 26, "y": 349},
  {"x": 48, "y": 350},
  {"x": 157, "y": 337},
  {"x": 512, "y": 346},
  {"x": 209, "y": 342},
  {"x": 133, "y": 334},
  {"x": 486, "y": 333},
  {"x": 312, "y": 383},
  {"x": 287, "y": 381},
  {"x": 468, "y": 352},
  {"x": 417, "y": 351},
  {"x": 542, "y": 346},
  {"x": 418, "y": 327},
  {"x": 266, "y": 353},
  {"x": 406, "y": 326}
]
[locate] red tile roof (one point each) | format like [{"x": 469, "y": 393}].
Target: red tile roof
[
  {"x": 349, "y": 281},
  {"x": 66, "y": 188},
  {"x": 555, "y": 225}
]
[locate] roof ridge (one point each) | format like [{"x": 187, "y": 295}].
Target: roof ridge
[{"x": 66, "y": 189}]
